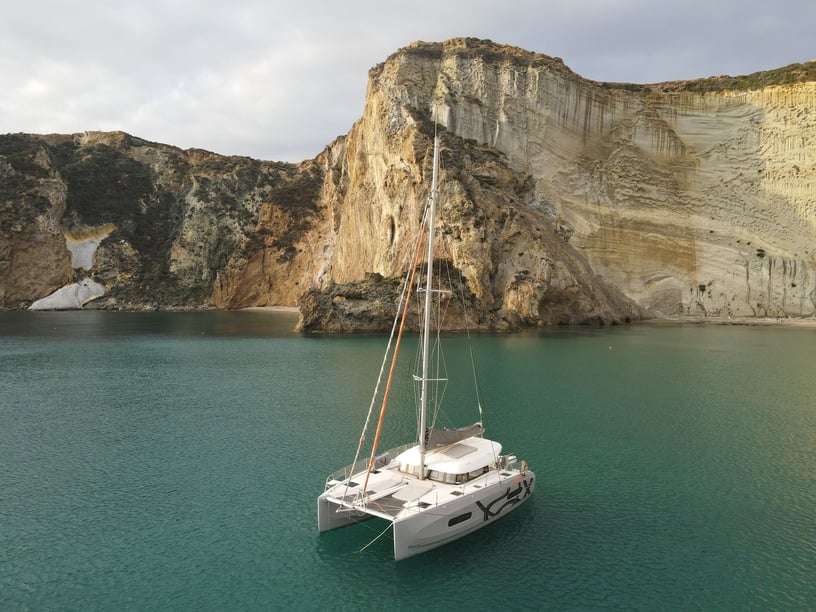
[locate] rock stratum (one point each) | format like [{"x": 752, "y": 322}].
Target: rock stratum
[{"x": 563, "y": 201}]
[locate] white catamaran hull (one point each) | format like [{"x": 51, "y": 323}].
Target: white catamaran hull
[
  {"x": 424, "y": 514},
  {"x": 418, "y": 532}
]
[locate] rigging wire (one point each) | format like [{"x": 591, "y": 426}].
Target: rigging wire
[
  {"x": 460, "y": 283},
  {"x": 470, "y": 352},
  {"x": 394, "y": 356},
  {"x": 405, "y": 296},
  {"x": 381, "y": 534},
  {"x": 472, "y": 357}
]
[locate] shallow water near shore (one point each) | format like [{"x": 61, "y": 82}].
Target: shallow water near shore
[{"x": 172, "y": 461}]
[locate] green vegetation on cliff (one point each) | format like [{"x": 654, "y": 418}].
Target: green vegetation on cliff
[{"x": 179, "y": 216}]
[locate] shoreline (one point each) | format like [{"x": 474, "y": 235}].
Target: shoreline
[
  {"x": 800, "y": 322},
  {"x": 289, "y": 309},
  {"x": 746, "y": 321}
]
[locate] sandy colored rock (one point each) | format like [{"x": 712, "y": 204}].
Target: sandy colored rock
[{"x": 563, "y": 200}]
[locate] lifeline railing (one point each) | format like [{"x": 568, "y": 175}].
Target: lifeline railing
[{"x": 361, "y": 465}]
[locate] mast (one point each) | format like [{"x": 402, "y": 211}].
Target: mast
[{"x": 426, "y": 343}]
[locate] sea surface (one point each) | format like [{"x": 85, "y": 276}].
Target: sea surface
[{"x": 171, "y": 461}]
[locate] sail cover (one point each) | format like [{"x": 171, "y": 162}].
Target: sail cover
[{"x": 442, "y": 437}]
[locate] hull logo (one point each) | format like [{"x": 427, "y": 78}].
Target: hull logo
[{"x": 510, "y": 498}]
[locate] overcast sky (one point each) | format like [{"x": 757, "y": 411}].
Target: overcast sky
[{"x": 280, "y": 80}]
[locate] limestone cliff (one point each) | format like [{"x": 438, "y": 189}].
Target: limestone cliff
[
  {"x": 563, "y": 201},
  {"x": 687, "y": 201},
  {"x": 691, "y": 198}
]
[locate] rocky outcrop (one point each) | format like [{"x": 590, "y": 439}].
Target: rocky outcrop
[
  {"x": 562, "y": 201},
  {"x": 34, "y": 259},
  {"x": 565, "y": 200},
  {"x": 156, "y": 226},
  {"x": 71, "y": 297},
  {"x": 688, "y": 202}
]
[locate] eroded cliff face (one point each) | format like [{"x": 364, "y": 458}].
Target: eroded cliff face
[
  {"x": 514, "y": 258},
  {"x": 562, "y": 201},
  {"x": 156, "y": 226},
  {"x": 34, "y": 258},
  {"x": 685, "y": 202}
]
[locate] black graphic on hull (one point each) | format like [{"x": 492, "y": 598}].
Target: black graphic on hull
[{"x": 511, "y": 497}]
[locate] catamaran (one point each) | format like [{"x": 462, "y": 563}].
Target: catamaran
[{"x": 446, "y": 483}]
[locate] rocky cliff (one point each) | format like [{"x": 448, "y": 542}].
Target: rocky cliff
[
  {"x": 155, "y": 226},
  {"x": 562, "y": 201}
]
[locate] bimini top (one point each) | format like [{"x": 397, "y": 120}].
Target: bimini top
[{"x": 460, "y": 458}]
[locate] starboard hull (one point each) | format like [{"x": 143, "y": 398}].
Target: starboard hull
[{"x": 419, "y": 532}]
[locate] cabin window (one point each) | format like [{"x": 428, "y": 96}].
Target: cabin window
[
  {"x": 459, "y": 519},
  {"x": 444, "y": 477},
  {"x": 456, "y": 478},
  {"x": 477, "y": 473},
  {"x": 407, "y": 468}
]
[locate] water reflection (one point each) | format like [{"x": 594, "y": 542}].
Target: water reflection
[{"x": 107, "y": 324}]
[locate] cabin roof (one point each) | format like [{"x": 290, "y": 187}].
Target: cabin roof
[{"x": 460, "y": 458}]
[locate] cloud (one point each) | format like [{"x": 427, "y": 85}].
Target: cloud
[{"x": 280, "y": 80}]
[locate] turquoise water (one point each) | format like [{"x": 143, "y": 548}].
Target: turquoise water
[{"x": 171, "y": 461}]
